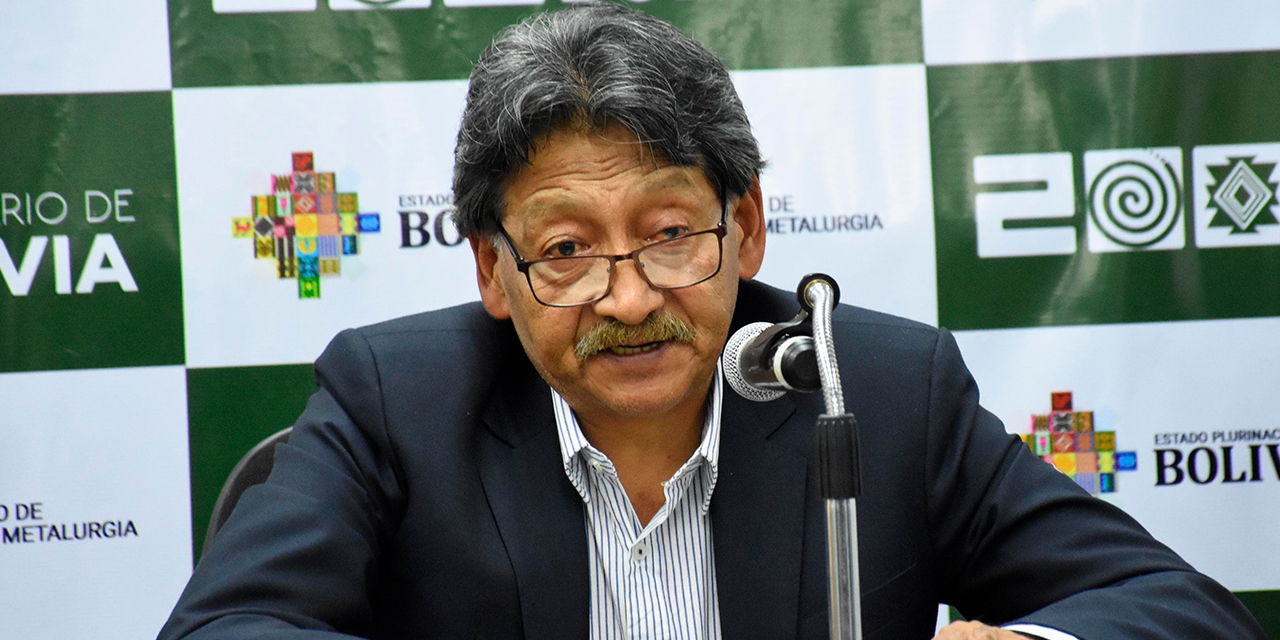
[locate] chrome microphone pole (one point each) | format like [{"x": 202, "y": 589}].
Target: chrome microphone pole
[{"x": 838, "y": 465}]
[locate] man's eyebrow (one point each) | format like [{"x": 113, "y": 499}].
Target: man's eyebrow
[
  {"x": 668, "y": 180},
  {"x": 545, "y": 205}
]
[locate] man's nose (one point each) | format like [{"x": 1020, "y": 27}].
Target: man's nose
[{"x": 631, "y": 298}]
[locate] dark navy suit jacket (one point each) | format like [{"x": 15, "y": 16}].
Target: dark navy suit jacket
[{"x": 422, "y": 495}]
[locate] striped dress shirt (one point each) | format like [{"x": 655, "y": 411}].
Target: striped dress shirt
[{"x": 656, "y": 580}]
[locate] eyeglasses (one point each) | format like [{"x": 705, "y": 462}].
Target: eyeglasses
[{"x": 675, "y": 263}]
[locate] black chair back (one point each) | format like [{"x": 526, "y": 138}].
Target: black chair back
[{"x": 252, "y": 469}]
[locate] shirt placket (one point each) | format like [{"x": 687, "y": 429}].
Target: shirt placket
[
  {"x": 615, "y": 523},
  {"x": 644, "y": 605},
  {"x": 646, "y": 577},
  {"x": 675, "y": 491}
]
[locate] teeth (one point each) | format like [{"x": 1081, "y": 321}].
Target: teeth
[{"x": 627, "y": 351}]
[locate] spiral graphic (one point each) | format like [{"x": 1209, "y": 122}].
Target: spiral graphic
[{"x": 1136, "y": 203}]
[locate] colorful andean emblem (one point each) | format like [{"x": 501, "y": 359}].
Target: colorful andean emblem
[
  {"x": 1065, "y": 439},
  {"x": 305, "y": 225}
]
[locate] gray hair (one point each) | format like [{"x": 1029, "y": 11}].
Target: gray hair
[{"x": 596, "y": 65}]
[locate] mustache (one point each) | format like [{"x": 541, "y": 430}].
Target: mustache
[{"x": 659, "y": 326}]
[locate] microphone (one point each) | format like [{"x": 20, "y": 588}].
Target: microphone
[{"x": 763, "y": 361}]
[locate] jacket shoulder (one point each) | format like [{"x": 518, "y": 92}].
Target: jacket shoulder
[
  {"x": 460, "y": 348},
  {"x": 469, "y": 317},
  {"x": 457, "y": 338}
]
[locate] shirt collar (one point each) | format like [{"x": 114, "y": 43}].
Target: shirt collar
[{"x": 707, "y": 455}]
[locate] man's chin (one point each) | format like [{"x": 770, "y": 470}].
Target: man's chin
[
  {"x": 637, "y": 406},
  {"x": 631, "y": 393}
]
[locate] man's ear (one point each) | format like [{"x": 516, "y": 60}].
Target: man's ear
[
  {"x": 487, "y": 276},
  {"x": 749, "y": 216}
]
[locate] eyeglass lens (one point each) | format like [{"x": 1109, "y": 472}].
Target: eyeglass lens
[{"x": 670, "y": 264}]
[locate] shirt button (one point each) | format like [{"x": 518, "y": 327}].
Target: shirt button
[
  {"x": 595, "y": 466},
  {"x": 639, "y": 551}
]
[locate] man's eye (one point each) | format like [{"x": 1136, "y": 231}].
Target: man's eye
[
  {"x": 564, "y": 249},
  {"x": 672, "y": 232}
]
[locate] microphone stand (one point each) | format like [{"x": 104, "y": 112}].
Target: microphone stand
[{"x": 838, "y": 464}]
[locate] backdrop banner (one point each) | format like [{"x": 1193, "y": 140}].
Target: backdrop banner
[{"x": 196, "y": 195}]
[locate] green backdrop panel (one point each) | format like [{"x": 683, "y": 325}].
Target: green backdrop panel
[
  {"x": 1078, "y": 107},
  {"x": 1265, "y": 606},
  {"x": 231, "y": 410},
  {"x": 88, "y": 218},
  {"x": 324, "y": 46}
]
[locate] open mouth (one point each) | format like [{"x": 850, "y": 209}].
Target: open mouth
[{"x": 627, "y": 350}]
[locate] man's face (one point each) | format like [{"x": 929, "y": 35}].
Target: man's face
[{"x": 604, "y": 193}]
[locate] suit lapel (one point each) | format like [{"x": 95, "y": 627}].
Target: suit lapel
[
  {"x": 757, "y": 520},
  {"x": 538, "y": 512}
]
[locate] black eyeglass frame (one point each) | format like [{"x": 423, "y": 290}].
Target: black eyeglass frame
[{"x": 720, "y": 230}]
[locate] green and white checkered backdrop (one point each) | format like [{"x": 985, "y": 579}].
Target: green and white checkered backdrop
[{"x": 196, "y": 195}]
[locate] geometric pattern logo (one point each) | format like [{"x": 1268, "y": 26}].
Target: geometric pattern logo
[
  {"x": 1066, "y": 439},
  {"x": 1235, "y": 195},
  {"x": 305, "y": 225},
  {"x": 1134, "y": 199},
  {"x": 1241, "y": 195}
]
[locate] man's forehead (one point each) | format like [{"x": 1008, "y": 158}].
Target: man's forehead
[
  {"x": 571, "y": 169},
  {"x": 672, "y": 180}
]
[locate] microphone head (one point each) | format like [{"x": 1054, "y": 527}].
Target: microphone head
[{"x": 733, "y": 364}]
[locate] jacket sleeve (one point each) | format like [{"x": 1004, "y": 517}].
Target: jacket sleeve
[
  {"x": 1019, "y": 542},
  {"x": 299, "y": 555}
]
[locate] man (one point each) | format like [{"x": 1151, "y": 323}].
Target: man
[{"x": 565, "y": 462}]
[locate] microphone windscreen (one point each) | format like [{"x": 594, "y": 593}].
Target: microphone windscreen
[{"x": 732, "y": 359}]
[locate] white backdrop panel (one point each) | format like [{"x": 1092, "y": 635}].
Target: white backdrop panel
[
  {"x": 1160, "y": 378},
  {"x": 383, "y": 141},
  {"x": 84, "y": 46},
  {"x": 848, "y": 147},
  {"x": 965, "y": 32},
  {"x": 93, "y": 446}
]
